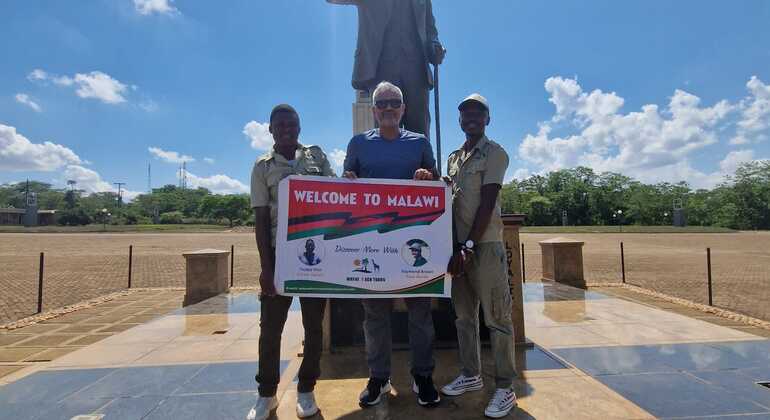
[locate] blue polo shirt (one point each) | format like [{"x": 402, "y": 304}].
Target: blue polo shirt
[{"x": 371, "y": 156}]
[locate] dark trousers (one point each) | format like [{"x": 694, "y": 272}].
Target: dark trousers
[
  {"x": 274, "y": 311},
  {"x": 377, "y": 332}
]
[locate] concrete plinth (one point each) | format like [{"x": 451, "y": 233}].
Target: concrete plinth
[
  {"x": 207, "y": 273},
  {"x": 512, "y": 223},
  {"x": 563, "y": 261}
]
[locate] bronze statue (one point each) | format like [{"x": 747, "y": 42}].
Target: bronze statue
[{"x": 396, "y": 41}]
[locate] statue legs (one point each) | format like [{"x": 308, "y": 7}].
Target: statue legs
[{"x": 409, "y": 76}]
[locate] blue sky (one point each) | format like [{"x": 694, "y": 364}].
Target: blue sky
[{"x": 658, "y": 90}]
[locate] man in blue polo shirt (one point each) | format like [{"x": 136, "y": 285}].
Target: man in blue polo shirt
[{"x": 393, "y": 153}]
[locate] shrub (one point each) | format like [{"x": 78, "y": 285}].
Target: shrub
[{"x": 172, "y": 218}]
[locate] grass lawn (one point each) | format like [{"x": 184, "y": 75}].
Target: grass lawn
[
  {"x": 625, "y": 229},
  {"x": 95, "y": 228}
]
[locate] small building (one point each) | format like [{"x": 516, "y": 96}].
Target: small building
[
  {"x": 14, "y": 216},
  {"x": 11, "y": 216}
]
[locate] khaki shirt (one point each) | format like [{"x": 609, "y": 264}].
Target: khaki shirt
[
  {"x": 272, "y": 167},
  {"x": 485, "y": 164}
]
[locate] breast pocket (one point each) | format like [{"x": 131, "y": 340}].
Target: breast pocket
[
  {"x": 275, "y": 176},
  {"x": 472, "y": 173}
]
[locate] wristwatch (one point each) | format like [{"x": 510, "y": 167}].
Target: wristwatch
[{"x": 468, "y": 245}]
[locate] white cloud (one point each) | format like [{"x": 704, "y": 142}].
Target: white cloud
[
  {"x": 208, "y": 160},
  {"x": 24, "y": 99},
  {"x": 37, "y": 74},
  {"x": 100, "y": 86},
  {"x": 754, "y": 125},
  {"x": 259, "y": 134},
  {"x": 169, "y": 156},
  {"x": 93, "y": 85},
  {"x": 87, "y": 179},
  {"x": 148, "y": 7},
  {"x": 17, "y": 153},
  {"x": 90, "y": 181},
  {"x": 651, "y": 145},
  {"x": 337, "y": 157},
  {"x": 518, "y": 174},
  {"x": 63, "y": 80},
  {"x": 730, "y": 163},
  {"x": 217, "y": 184}
]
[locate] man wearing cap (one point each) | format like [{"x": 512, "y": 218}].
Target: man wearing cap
[
  {"x": 394, "y": 153},
  {"x": 479, "y": 263},
  {"x": 287, "y": 157}
]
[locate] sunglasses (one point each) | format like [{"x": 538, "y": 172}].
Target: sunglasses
[{"x": 385, "y": 103}]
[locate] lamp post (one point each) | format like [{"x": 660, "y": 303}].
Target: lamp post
[
  {"x": 618, "y": 215},
  {"x": 104, "y": 219}
]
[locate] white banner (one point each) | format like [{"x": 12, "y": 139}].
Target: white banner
[{"x": 363, "y": 238}]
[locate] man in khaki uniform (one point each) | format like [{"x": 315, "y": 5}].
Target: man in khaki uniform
[
  {"x": 479, "y": 264},
  {"x": 288, "y": 157}
]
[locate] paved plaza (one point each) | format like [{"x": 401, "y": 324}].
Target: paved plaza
[
  {"x": 596, "y": 355},
  {"x": 82, "y": 266}
]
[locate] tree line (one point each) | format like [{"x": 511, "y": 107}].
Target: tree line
[
  {"x": 166, "y": 205},
  {"x": 741, "y": 201}
]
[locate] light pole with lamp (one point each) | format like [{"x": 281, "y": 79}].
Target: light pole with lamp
[{"x": 104, "y": 219}]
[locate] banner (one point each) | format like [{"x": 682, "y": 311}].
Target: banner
[{"x": 363, "y": 238}]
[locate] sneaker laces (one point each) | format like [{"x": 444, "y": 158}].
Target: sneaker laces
[{"x": 499, "y": 397}]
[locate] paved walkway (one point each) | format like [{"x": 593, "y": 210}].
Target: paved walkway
[
  {"x": 596, "y": 356},
  {"x": 51, "y": 339}
]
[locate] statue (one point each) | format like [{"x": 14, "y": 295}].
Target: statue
[{"x": 396, "y": 41}]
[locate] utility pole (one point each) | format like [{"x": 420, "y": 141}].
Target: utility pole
[
  {"x": 184, "y": 175},
  {"x": 149, "y": 179},
  {"x": 120, "y": 191}
]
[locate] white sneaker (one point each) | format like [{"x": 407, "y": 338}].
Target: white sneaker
[
  {"x": 501, "y": 404},
  {"x": 262, "y": 408},
  {"x": 306, "y": 405},
  {"x": 463, "y": 384}
]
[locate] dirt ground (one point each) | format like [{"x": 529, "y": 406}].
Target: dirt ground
[{"x": 82, "y": 266}]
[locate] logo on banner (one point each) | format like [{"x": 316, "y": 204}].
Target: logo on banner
[{"x": 365, "y": 265}]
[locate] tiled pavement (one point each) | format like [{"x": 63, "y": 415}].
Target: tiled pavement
[
  {"x": 596, "y": 356},
  {"x": 51, "y": 339}
]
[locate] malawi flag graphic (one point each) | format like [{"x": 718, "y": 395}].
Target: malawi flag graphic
[{"x": 344, "y": 208}]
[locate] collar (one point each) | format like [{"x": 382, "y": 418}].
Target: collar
[
  {"x": 280, "y": 158},
  {"x": 481, "y": 143},
  {"x": 401, "y": 133}
]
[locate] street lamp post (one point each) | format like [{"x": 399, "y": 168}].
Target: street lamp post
[{"x": 104, "y": 219}]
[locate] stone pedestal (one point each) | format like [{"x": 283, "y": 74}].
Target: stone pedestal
[
  {"x": 563, "y": 261},
  {"x": 512, "y": 223},
  {"x": 363, "y": 119},
  {"x": 207, "y": 273}
]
